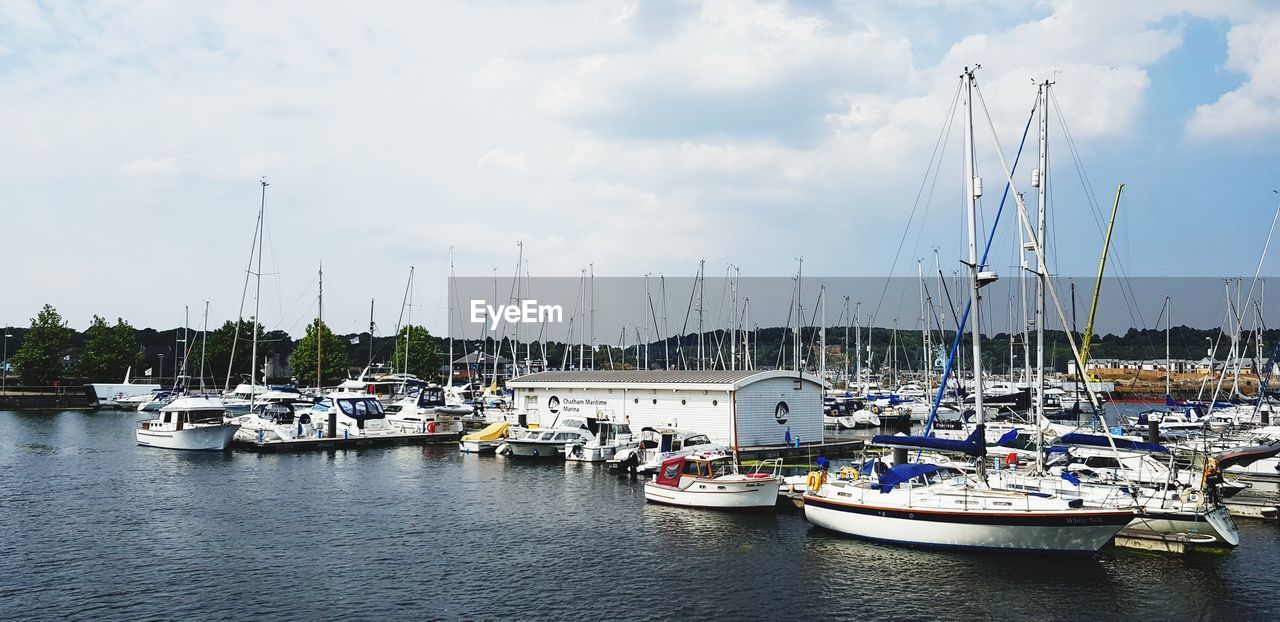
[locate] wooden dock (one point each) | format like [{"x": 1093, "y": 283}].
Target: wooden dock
[{"x": 354, "y": 442}]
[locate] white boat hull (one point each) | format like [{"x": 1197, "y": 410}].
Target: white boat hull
[
  {"x": 479, "y": 447},
  {"x": 1078, "y": 533},
  {"x": 1217, "y": 523},
  {"x": 755, "y": 493},
  {"x": 195, "y": 438}
]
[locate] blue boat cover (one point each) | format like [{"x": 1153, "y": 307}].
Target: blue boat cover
[
  {"x": 903, "y": 472},
  {"x": 1075, "y": 481},
  {"x": 1007, "y": 437},
  {"x": 972, "y": 446},
  {"x": 1094, "y": 440}
]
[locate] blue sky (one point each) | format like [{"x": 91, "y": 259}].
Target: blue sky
[{"x": 637, "y": 137}]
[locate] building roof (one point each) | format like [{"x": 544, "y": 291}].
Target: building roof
[{"x": 710, "y": 379}]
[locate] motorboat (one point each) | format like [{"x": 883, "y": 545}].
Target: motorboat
[
  {"x": 423, "y": 411},
  {"x": 608, "y": 437},
  {"x": 350, "y": 414},
  {"x": 933, "y": 505},
  {"x": 194, "y": 423},
  {"x": 549, "y": 442},
  {"x": 277, "y": 420},
  {"x": 485, "y": 441},
  {"x": 711, "y": 480},
  {"x": 106, "y": 395},
  {"x": 660, "y": 444},
  {"x": 155, "y": 401}
]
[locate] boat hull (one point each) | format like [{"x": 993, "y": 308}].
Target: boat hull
[
  {"x": 1059, "y": 532},
  {"x": 200, "y": 438},
  {"x": 534, "y": 450},
  {"x": 1216, "y": 522},
  {"x": 479, "y": 447},
  {"x": 758, "y": 494}
]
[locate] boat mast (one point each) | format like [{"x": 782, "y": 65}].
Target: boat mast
[
  {"x": 926, "y": 348},
  {"x": 257, "y": 296},
  {"x": 1040, "y": 179},
  {"x": 204, "y": 341},
  {"x": 799, "y": 311},
  {"x": 1097, "y": 286},
  {"x": 408, "y": 329},
  {"x": 319, "y": 324},
  {"x": 370, "y": 363},
  {"x": 449, "y": 322},
  {"x": 974, "y": 185},
  {"x": 1168, "y": 309},
  {"x": 857, "y": 348},
  {"x": 822, "y": 334}
]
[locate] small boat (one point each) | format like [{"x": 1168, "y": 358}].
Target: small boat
[
  {"x": 485, "y": 441},
  {"x": 549, "y": 442},
  {"x": 423, "y": 411},
  {"x": 194, "y": 423},
  {"x": 711, "y": 480},
  {"x": 351, "y": 415},
  {"x": 606, "y": 440},
  {"x": 658, "y": 445},
  {"x": 273, "y": 421}
]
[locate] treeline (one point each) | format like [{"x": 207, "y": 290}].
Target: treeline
[{"x": 49, "y": 352}]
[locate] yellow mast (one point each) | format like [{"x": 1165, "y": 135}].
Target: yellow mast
[{"x": 1097, "y": 287}]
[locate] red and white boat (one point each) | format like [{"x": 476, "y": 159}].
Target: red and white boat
[{"x": 711, "y": 480}]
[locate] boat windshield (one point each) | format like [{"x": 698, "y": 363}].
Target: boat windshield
[{"x": 361, "y": 409}]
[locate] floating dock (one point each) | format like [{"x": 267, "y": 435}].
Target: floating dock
[
  {"x": 353, "y": 442},
  {"x": 1246, "y": 505},
  {"x": 1161, "y": 542}
]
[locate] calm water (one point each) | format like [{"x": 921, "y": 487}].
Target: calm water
[{"x": 93, "y": 526}]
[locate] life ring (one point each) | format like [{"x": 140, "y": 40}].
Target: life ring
[
  {"x": 816, "y": 479},
  {"x": 431, "y": 427}
]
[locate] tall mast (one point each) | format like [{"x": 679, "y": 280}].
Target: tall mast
[
  {"x": 974, "y": 185},
  {"x": 822, "y": 334},
  {"x": 799, "y": 312},
  {"x": 926, "y": 349},
  {"x": 449, "y": 322},
  {"x": 702, "y": 264},
  {"x": 319, "y": 325},
  {"x": 257, "y": 295},
  {"x": 204, "y": 341},
  {"x": 1040, "y": 179},
  {"x": 1167, "y": 369},
  {"x": 1097, "y": 286},
  {"x": 408, "y": 330},
  {"x": 370, "y": 363},
  {"x": 857, "y": 349},
  {"x": 733, "y": 326}
]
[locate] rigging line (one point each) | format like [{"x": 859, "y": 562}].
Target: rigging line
[
  {"x": 955, "y": 345},
  {"x": 915, "y": 205},
  {"x": 1134, "y": 314},
  {"x": 937, "y": 174},
  {"x": 294, "y": 306}
]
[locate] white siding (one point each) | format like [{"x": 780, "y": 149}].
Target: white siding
[
  {"x": 758, "y": 401},
  {"x": 710, "y": 412}
]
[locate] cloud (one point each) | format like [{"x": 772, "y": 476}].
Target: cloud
[{"x": 1253, "y": 109}]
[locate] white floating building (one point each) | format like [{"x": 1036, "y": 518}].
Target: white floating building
[{"x": 741, "y": 409}]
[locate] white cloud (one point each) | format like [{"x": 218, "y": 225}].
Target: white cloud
[
  {"x": 638, "y": 136},
  {"x": 1254, "y": 108}
]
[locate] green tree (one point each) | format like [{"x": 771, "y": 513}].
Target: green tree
[
  {"x": 219, "y": 348},
  {"x": 333, "y": 359},
  {"x": 108, "y": 350},
  {"x": 423, "y": 353},
  {"x": 39, "y": 360}
]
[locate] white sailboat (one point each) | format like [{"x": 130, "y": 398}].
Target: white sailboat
[{"x": 927, "y": 504}]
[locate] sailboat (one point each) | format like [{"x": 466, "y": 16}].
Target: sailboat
[{"x": 935, "y": 505}]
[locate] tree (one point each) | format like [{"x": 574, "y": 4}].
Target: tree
[
  {"x": 109, "y": 351},
  {"x": 424, "y": 354},
  {"x": 219, "y": 349},
  {"x": 333, "y": 359},
  {"x": 39, "y": 360}
]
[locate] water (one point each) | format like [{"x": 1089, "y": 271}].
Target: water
[{"x": 93, "y": 526}]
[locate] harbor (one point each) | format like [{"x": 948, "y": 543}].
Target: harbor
[{"x": 429, "y": 533}]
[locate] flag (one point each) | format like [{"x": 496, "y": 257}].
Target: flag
[
  {"x": 355, "y": 339},
  {"x": 148, "y": 372}
]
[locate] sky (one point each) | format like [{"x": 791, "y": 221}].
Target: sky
[{"x": 627, "y": 138}]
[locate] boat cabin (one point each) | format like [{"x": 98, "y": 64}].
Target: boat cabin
[
  {"x": 666, "y": 440},
  {"x": 360, "y": 408}
]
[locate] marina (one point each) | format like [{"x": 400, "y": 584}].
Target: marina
[{"x": 311, "y": 509}]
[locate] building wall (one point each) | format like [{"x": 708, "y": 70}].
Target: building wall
[
  {"x": 707, "y": 411},
  {"x": 758, "y": 421}
]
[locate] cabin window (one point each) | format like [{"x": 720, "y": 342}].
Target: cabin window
[
  {"x": 682, "y": 402},
  {"x": 692, "y": 468},
  {"x": 168, "y": 417},
  {"x": 1102, "y": 462},
  {"x": 795, "y": 384},
  {"x": 565, "y": 436}
]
